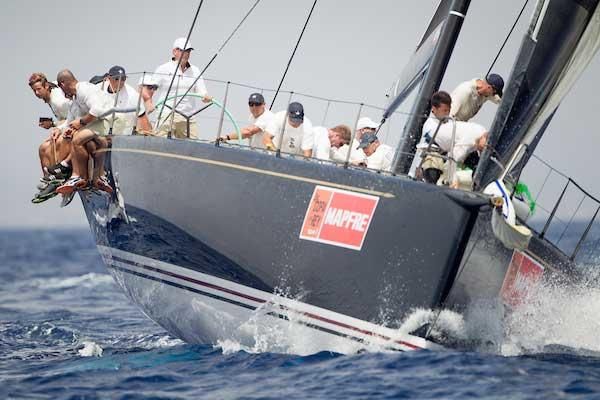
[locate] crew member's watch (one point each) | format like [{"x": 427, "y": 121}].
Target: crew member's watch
[{"x": 81, "y": 122}]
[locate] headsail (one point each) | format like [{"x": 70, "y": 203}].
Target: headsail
[
  {"x": 427, "y": 67},
  {"x": 563, "y": 37},
  {"x": 415, "y": 69}
]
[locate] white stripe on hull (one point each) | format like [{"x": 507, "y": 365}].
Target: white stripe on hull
[{"x": 201, "y": 308}]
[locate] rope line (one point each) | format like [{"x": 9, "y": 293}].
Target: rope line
[
  {"x": 293, "y": 53},
  {"x": 213, "y": 57},
  {"x": 507, "y": 37}
]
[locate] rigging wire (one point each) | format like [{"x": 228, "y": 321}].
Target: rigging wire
[
  {"x": 213, "y": 57},
  {"x": 293, "y": 54},
  {"x": 187, "y": 39},
  {"x": 507, "y": 37}
]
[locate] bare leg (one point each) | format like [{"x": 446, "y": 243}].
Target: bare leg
[
  {"x": 99, "y": 157},
  {"x": 45, "y": 153},
  {"x": 63, "y": 149},
  {"x": 79, "y": 152}
]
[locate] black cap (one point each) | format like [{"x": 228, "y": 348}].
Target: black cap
[
  {"x": 366, "y": 139},
  {"x": 296, "y": 112},
  {"x": 256, "y": 98},
  {"x": 496, "y": 82},
  {"x": 117, "y": 72}
]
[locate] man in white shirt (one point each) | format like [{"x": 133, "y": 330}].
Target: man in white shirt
[
  {"x": 259, "y": 119},
  {"x": 331, "y": 143},
  {"x": 364, "y": 125},
  {"x": 468, "y": 97},
  {"x": 123, "y": 96},
  {"x": 185, "y": 77},
  {"x": 54, "y": 151},
  {"x": 379, "y": 156},
  {"x": 297, "y": 132},
  {"x": 86, "y": 124},
  {"x": 469, "y": 137}
]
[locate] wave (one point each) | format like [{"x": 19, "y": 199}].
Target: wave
[{"x": 88, "y": 280}]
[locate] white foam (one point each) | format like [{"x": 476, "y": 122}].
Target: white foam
[
  {"x": 88, "y": 280},
  {"x": 556, "y": 315},
  {"x": 90, "y": 349}
]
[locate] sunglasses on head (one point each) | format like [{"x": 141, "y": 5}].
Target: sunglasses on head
[{"x": 254, "y": 104}]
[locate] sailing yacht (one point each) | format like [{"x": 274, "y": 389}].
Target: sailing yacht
[{"x": 314, "y": 245}]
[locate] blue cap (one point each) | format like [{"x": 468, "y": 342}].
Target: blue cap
[
  {"x": 117, "y": 72},
  {"x": 496, "y": 82},
  {"x": 296, "y": 112},
  {"x": 256, "y": 98},
  {"x": 366, "y": 139}
]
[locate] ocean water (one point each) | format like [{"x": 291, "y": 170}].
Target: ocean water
[{"x": 67, "y": 332}]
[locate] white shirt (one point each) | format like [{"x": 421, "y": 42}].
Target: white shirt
[
  {"x": 357, "y": 156},
  {"x": 59, "y": 104},
  {"x": 322, "y": 145},
  {"x": 127, "y": 99},
  {"x": 164, "y": 74},
  {"x": 465, "y": 140},
  {"x": 295, "y": 140},
  {"x": 89, "y": 99},
  {"x": 339, "y": 154},
  {"x": 466, "y": 102},
  {"x": 262, "y": 122},
  {"x": 382, "y": 158}
]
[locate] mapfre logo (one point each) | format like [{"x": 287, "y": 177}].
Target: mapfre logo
[
  {"x": 338, "y": 217},
  {"x": 521, "y": 279}
]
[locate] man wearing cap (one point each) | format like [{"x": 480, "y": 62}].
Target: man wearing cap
[
  {"x": 364, "y": 125},
  {"x": 123, "y": 97},
  {"x": 379, "y": 156},
  {"x": 259, "y": 119},
  {"x": 468, "y": 97},
  {"x": 86, "y": 125},
  {"x": 185, "y": 77},
  {"x": 297, "y": 132}
]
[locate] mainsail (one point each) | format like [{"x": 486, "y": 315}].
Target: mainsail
[
  {"x": 563, "y": 37},
  {"x": 427, "y": 66}
]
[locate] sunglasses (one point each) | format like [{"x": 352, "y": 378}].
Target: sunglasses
[
  {"x": 151, "y": 87},
  {"x": 255, "y": 104}
]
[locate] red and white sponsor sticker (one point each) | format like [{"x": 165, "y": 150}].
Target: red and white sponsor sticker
[
  {"x": 522, "y": 276},
  {"x": 338, "y": 217}
]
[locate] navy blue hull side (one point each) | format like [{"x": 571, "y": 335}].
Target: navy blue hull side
[{"x": 237, "y": 214}]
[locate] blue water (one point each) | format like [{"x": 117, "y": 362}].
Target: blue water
[{"x": 59, "y": 309}]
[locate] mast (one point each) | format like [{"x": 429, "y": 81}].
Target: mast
[
  {"x": 562, "y": 39},
  {"x": 431, "y": 82}
]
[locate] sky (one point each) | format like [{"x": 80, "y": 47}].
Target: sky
[{"x": 351, "y": 50}]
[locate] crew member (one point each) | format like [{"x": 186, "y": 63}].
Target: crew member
[
  {"x": 185, "y": 77},
  {"x": 379, "y": 156},
  {"x": 331, "y": 143},
  {"x": 54, "y": 151},
  {"x": 126, "y": 97},
  {"x": 259, "y": 119},
  {"x": 469, "y": 96},
  {"x": 87, "y": 127},
  {"x": 364, "y": 125},
  {"x": 297, "y": 132}
]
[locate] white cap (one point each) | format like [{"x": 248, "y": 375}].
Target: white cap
[
  {"x": 179, "y": 43},
  {"x": 147, "y": 79},
  {"x": 366, "y": 122}
]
